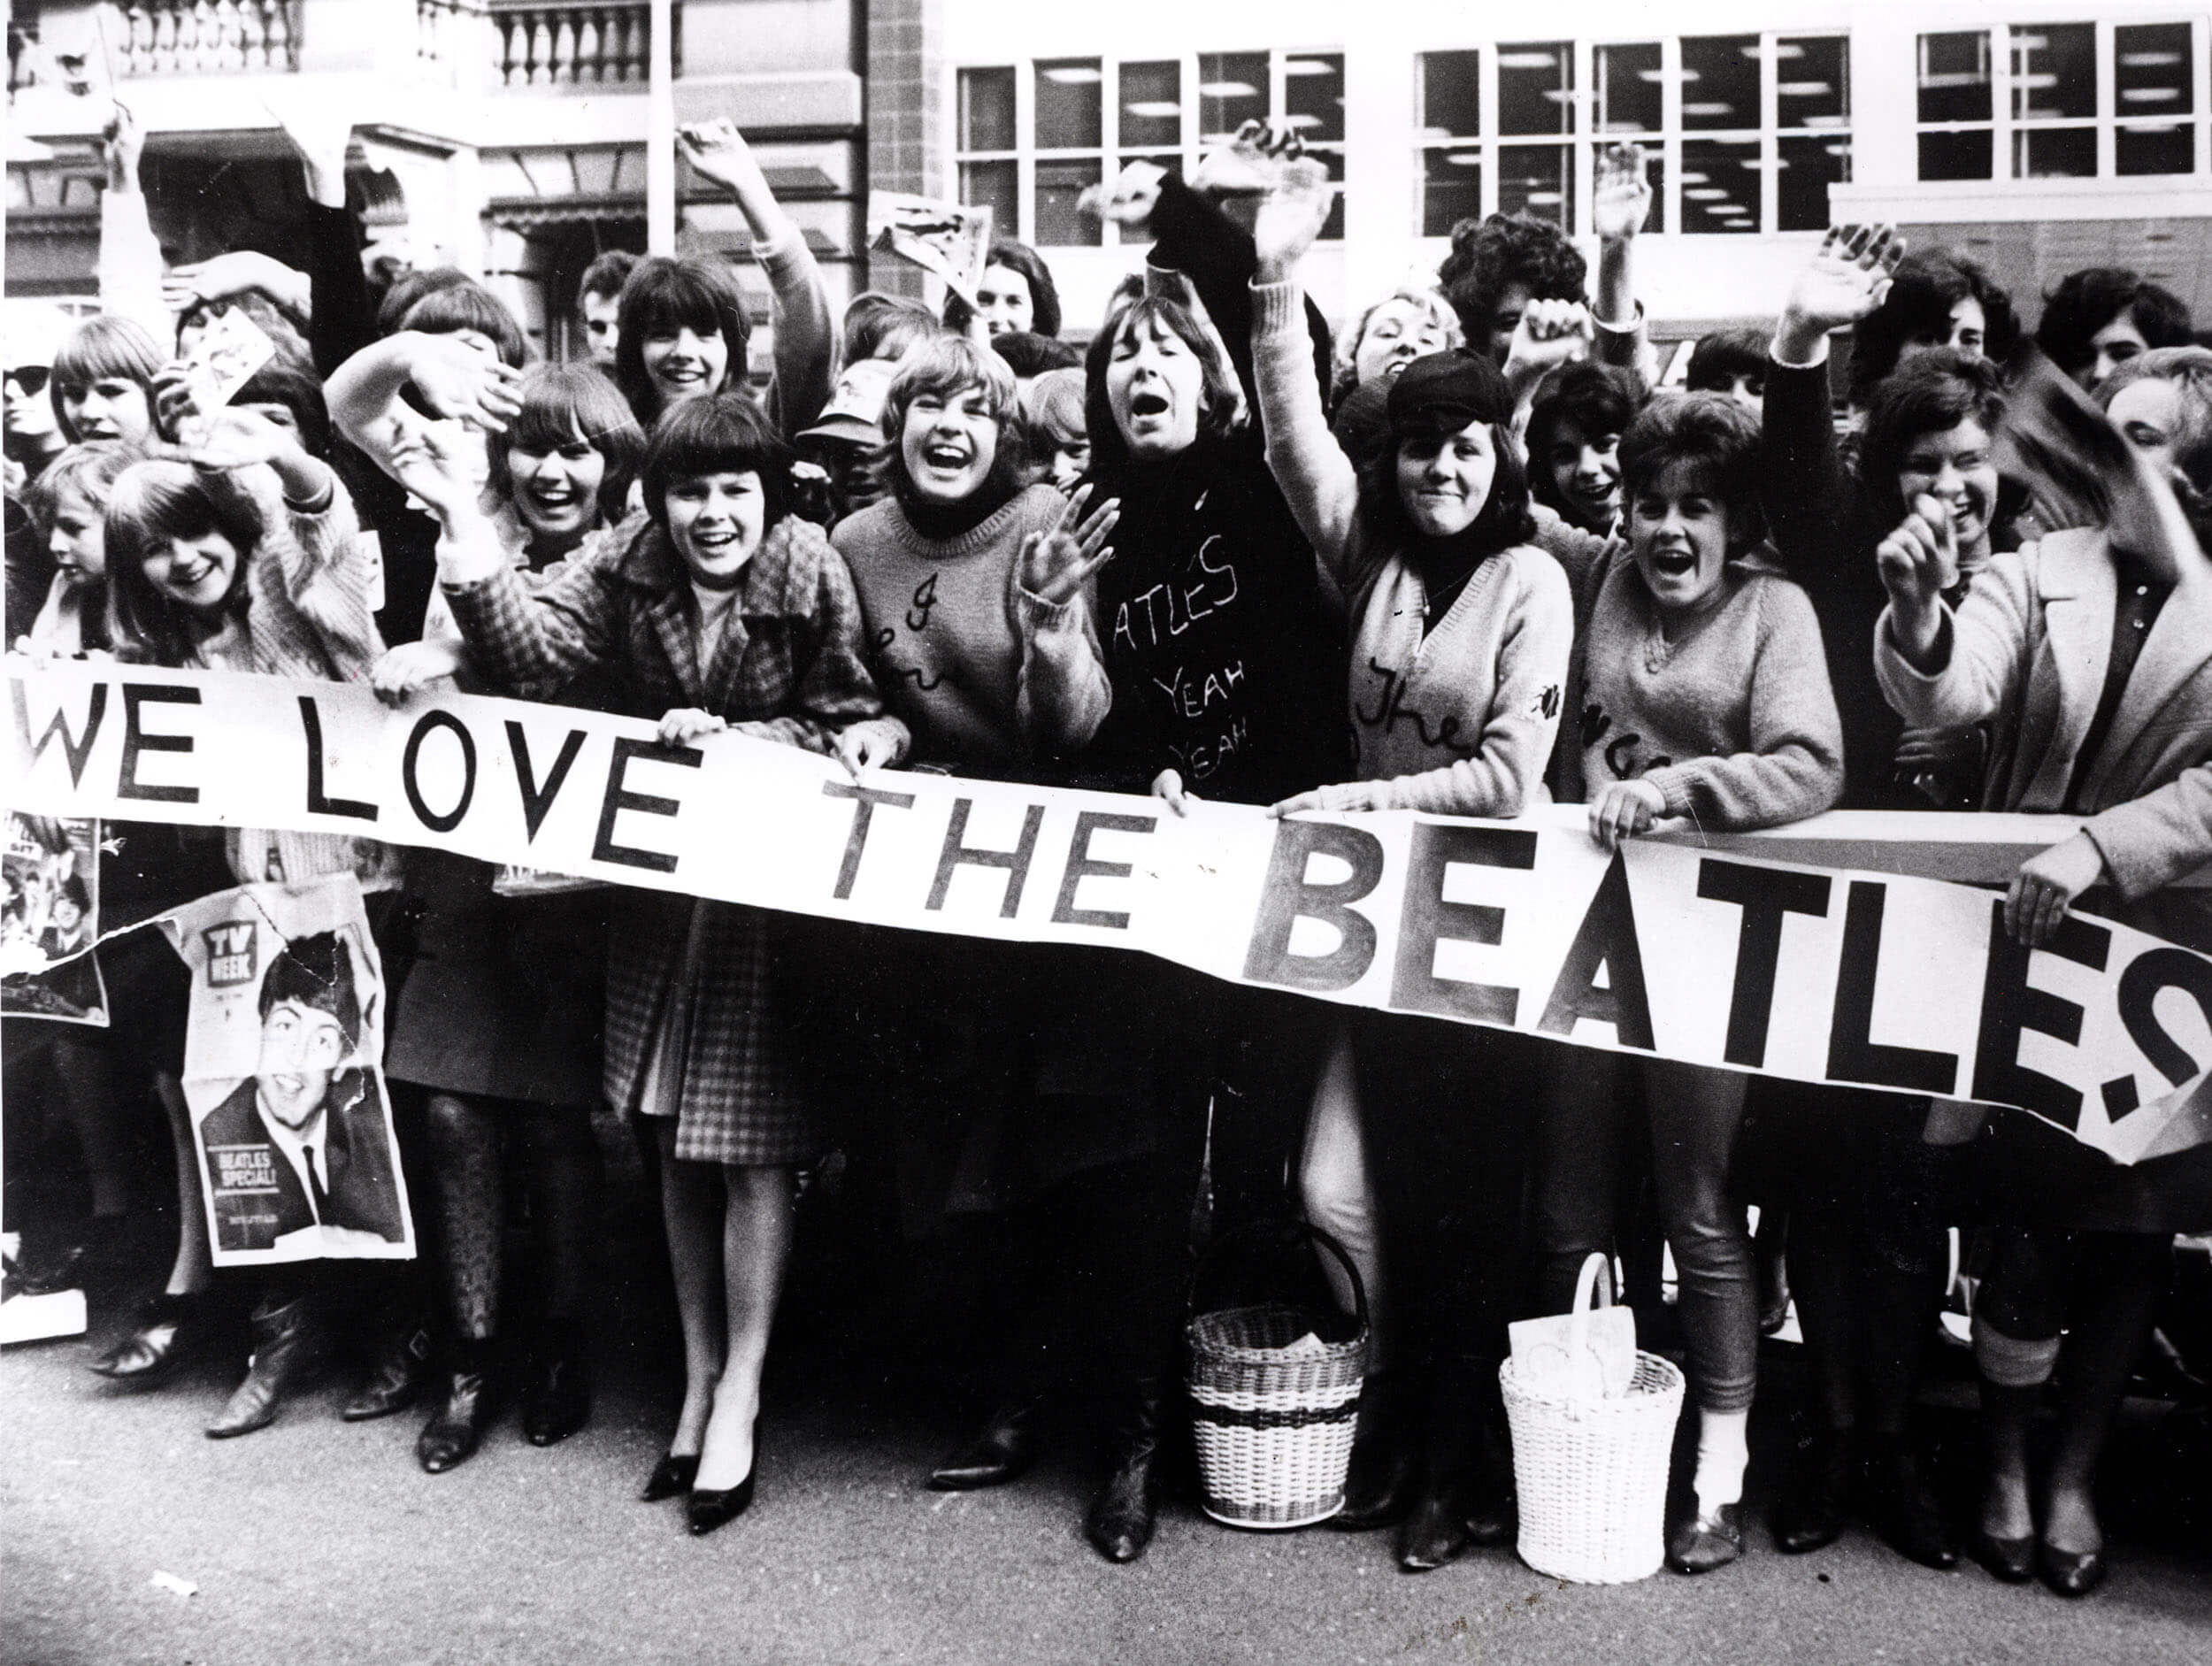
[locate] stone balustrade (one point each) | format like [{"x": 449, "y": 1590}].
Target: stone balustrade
[
  {"x": 185, "y": 37},
  {"x": 571, "y": 43}
]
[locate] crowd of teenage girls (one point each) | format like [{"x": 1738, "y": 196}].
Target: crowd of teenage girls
[{"x": 1457, "y": 557}]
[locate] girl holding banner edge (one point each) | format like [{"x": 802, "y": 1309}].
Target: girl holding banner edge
[
  {"x": 1705, "y": 696},
  {"x": 726, "y": 612},
  {"x": 1215, "y": 584},
  {"x": 245, "y": 559},
  {"x": 1461, "y": 628},
  {"x": 2122, "y": 738},
  {"x": 500, "y": 1016}
]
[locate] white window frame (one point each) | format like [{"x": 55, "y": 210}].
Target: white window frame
[
  {"x": 1583, "y": 138},
  {"x": 1110, "y": 153},
  {"x": 2004, "y": 126}
]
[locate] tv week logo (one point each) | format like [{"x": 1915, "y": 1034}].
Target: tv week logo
[{"x": 232, "y": 957}]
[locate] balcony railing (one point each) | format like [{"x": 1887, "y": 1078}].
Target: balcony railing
[
  {"x": 173, "y": 37},
  {"x": 571, "y": 42}
]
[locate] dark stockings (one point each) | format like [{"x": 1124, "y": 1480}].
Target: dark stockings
[{"x": 561, "y": 1160}]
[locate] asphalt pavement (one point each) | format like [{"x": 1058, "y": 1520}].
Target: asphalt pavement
[{"x": 318, "y": 1541}]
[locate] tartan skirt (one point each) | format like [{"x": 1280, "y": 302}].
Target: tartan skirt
[{"x": 694, "y": 1031}]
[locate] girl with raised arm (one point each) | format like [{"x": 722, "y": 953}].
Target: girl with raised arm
[
  {"x": 1461, "y": 632},
  {"x": 726, "y": 613},
  {"x": 2090, "y": 647}
]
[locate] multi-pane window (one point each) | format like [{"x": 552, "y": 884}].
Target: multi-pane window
[
  {"x": 1742, "y": 132},
  {"x": 2060, "y": 101},
  {"x": 1032, "y": 137},
  {"x": 989, "y": 170}
]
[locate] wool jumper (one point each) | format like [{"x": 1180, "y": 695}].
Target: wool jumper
[
  {"x": 1727, "y": 712},
  {"x": 1458, "y": 716},
  {"x": 990, "y": 677}
]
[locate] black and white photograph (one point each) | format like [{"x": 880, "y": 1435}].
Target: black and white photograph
[{"x": 947, "y": 830}]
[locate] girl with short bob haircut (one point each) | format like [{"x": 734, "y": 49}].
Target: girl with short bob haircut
[
  {"x": 566, "y": 405},
  {"x": 2098, "y": 318},
  {"x": 1053, "y": 429},
  {"x": 499, "y": 1019},
  {"x": 683, "y": 323},
  {"x": 666, "y": 300},
  {"x": 467, "y": 309},
  {"x": 102, "y": 381},
  {"x": 697, "y": 1024}
]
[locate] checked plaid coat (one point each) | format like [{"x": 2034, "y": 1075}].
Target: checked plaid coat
[{"x": 788, "y": 668}]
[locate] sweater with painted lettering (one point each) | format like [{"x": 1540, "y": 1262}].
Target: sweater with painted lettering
[
  {"x": 1457, "y": 716},
  {"x": 991, "y": 678},
  {"x": 1225, "y": 661},
  {"x": 1727, "y": 712}
]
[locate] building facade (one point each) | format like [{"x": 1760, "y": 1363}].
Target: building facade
[
  {"x": 511, "y": 139},
  {"x": 2038, "y": 137}
]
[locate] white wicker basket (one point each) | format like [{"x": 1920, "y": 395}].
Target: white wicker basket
[
  {"x": 1274, "y": 1428},
  {"x": 1592, "y": 1474}
]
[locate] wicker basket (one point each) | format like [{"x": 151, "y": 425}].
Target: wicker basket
[
  {"x": 1592, "y": 1474},
  {"x": 1274, "y": 1428}
]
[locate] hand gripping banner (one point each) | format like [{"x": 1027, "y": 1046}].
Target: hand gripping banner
[{"x": 1723, "y": 957}]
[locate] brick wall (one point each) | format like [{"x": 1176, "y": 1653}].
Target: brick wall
[{"x": 906, "y": 93}]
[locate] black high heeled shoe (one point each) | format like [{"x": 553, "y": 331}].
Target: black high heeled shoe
[
  {"x": 707, "y": 1508},
  {"x": 2010, "y": 1560},
  {"x": 671, "y": 1476},
  {"x": 2070, "y": 1573},
  {"x": 704, "y": 1510}
]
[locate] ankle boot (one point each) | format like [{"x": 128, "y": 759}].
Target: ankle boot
[
  {"x": 1466, "y": 1495},
  {"x": 1810, "y": 1512},
  {"x": 289, "y": 1344},
  {"x": 1901, "y": 1508},
  {"x": 397, "y": 1369},
  {"x": 165, "y": 1331},
  {"x": 1001, "y": 1450},
  {"x": 1120, "y": 1523},
  {"x": 464, "y": 1410},
  {"x": 1381, "y": 1481},
  {"x": 557, "y": 1400}
]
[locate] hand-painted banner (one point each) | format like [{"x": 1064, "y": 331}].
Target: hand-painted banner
[{"x": 1722, "y": 957}]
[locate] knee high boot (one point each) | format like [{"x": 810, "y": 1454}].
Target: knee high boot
[{"x": 1119, "y": 1523}]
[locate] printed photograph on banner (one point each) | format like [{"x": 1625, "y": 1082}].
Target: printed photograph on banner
[
  {"x": 284, "y": 1075},
  {"x": 948, "y": 238},
  {"x": 50, "y": 875}
]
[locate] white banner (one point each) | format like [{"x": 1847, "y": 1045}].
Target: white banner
[{"x": 1727, "y": 957}]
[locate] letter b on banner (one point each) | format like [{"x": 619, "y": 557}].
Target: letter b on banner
[{"x": 1288, "y": 895}]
